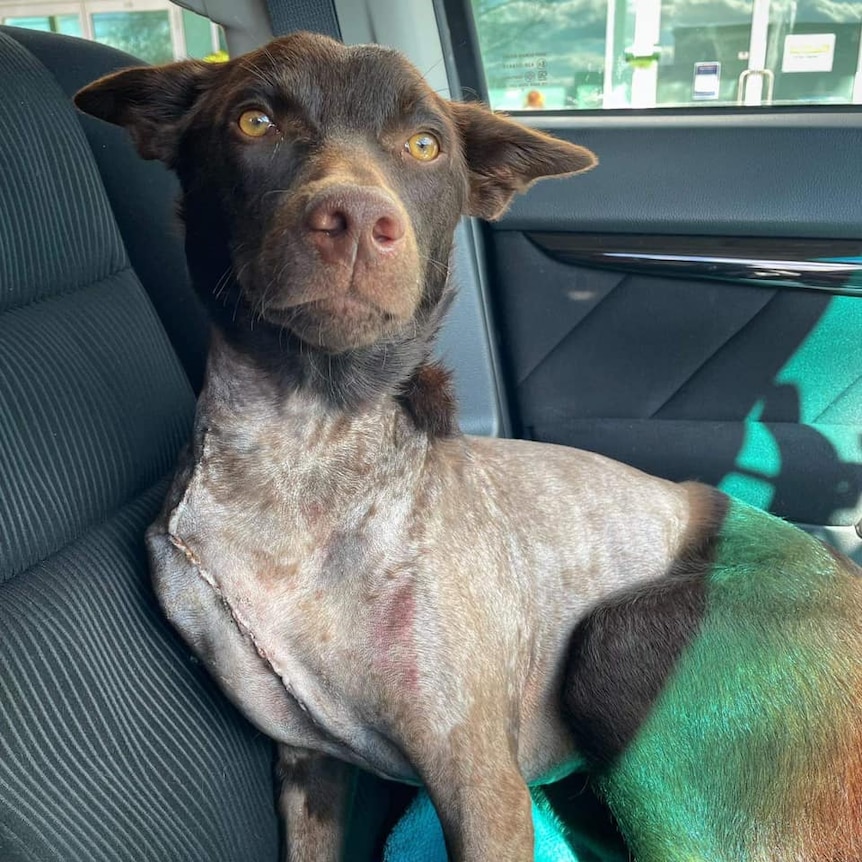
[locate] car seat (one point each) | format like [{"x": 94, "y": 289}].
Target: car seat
[{"x": 114, "y": 742}]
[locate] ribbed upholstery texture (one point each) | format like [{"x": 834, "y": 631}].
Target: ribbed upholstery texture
[
  {"x": 47, "y": 246},
  {"x": 109, "y": 748},
  {"x": 114, "y": 744},
  {"x": 142, "y": 194},
  {"x": 319, "y": 16}
]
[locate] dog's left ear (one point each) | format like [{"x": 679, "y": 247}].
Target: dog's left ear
[
  {"x": 505, "y": 157},
  {"x": 150, "y": 101}
]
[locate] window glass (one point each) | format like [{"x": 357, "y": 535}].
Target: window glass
[
  {"x": 69, "y": 25},
  {"x": 157, "y": 31},
  {"x": 142, "y": 34},
  {"x": 198, "y": 33},
  {"x": 591, "y": 54}
]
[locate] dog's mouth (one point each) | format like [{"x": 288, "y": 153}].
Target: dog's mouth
[{"x": 336, "y": 323}]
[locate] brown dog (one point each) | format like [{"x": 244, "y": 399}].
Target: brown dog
[{"x": 371, "y": 587}]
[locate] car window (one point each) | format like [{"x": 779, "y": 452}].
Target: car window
[
  {"x": 595, "y": 54},
  {"x": 154, "y": 30}
]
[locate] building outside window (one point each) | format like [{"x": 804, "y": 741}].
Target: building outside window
[
  {"x": 594, "y": 54},
  {"x": 153, "y": 30}
]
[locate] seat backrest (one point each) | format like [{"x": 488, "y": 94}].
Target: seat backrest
[
  {"x": 113, "y": 745},
  {"x": 142, "y": 195}
]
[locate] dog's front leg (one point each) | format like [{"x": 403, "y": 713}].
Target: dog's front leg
[
  {"x": 313, "y": 804},
  {"x": 485, "y": 810}
]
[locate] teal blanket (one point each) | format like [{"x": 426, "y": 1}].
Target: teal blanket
[{"x": 418, "y": 836}]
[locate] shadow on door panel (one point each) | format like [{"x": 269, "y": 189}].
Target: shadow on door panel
[{"x": 755, "y": 389}]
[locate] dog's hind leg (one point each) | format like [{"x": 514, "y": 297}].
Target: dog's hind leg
[
  {"x": 313, "y": 804},
  {"x": 722, "y": 708}
]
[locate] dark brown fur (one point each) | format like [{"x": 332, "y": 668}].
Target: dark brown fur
[
  {"x": 429, "y": 398},
  {"x": 242, "y": 208}
]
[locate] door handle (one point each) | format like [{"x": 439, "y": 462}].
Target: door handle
[{"x": 767, "y": 74}]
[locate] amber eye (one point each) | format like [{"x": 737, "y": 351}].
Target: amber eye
[
  {"x": 423, "y": 146},
  {"x": 254, "y": 123}
]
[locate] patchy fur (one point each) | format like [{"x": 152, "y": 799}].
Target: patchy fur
[{"x": 622, "y": 659}]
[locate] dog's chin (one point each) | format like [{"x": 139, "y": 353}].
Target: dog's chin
[{"x": 337, "y": 325}]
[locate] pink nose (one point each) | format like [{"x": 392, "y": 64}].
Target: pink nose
[{"x": 347, "y": 221}]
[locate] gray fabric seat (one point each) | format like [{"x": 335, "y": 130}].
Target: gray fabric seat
[{"x": 113, "y": 744}]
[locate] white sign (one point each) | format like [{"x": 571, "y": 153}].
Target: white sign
[
  {"x": 707, "y": 77},
  {"x": 808, "y": 52}
]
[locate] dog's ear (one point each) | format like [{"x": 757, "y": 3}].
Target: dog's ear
[
  {"x": 505, "y": 157},
  {"x": 150, "y": 101}
]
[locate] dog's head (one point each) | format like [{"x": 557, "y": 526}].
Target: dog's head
[{"x": 322, "y": 183}]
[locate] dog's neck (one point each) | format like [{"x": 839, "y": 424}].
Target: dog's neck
[
  {"x": 254, "y": 413},
  {"x": 348, "y": 379},
  {"x": 272, "y": 365}
]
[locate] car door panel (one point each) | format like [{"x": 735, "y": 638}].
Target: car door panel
[
  {"x": 626, "y": 303},
  {"x": 732, "y": 175},
  {"x": 756, "y": 388}
]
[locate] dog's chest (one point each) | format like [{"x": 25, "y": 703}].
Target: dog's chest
[{"x": 312, "y": 557}]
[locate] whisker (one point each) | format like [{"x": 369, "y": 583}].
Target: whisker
[
  {"x": 222, "y": 282},
  {"x": 429, "y": 70},
  {"x": 439, "y": 265},
  {"x": 264, "y": 76}
]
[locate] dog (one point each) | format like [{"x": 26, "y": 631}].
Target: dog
[{"x": 373, "y": 588}]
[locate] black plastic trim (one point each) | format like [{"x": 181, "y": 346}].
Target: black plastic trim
[
  {"x": 833, "y": 266},
  {"x": 464, "y": 41}
]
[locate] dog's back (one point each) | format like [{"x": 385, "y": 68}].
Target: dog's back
[{"x": 760, "y": 713}]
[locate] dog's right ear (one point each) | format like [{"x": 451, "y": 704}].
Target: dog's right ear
[
  {"x": 150, "y": 101},
  {"x": 505, "y": 158}
]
